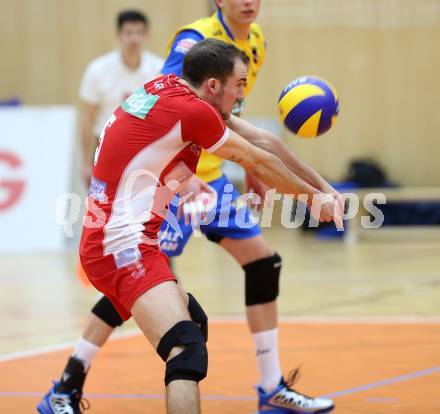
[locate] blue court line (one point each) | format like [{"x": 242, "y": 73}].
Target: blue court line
[
  {"x": 360, "y": 388},
  {"x": 388, "y": 400},
  {"x": 384, "y": 382},
  {"x": 132, "y": 396}
]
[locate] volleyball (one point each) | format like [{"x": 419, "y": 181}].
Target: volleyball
[{"x": 308, "y": 106}]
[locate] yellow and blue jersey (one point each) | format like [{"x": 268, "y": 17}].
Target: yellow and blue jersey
[{"x": 214, "y": 26}]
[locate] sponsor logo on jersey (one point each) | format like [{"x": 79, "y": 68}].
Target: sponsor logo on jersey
[
  {"x": 196, "y": 149},
  {"x": 159, "y": 85},
  {"x": 185, "y": 45},
  {"x": 137, "y": 270},
  {"x": 140, "y": 103},
  {"x": 98, "y": 189}
]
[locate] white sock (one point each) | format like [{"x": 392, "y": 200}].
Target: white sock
[
  {"x": 85, "y": 351},
  {"x": 268, "y": 362}
]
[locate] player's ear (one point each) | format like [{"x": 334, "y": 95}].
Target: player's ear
[{"x": 213, "y": 85}]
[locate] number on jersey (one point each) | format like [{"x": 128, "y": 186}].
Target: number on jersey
[{"x": 107, "y": 125}]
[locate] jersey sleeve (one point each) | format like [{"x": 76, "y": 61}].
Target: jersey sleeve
[
  {"x": 183, "y": 42},
  {"x": 88, "y": 90},
  {"x": 204, "y": 125}
]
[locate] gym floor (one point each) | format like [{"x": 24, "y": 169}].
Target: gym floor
[{"x": 362, "y": 321}]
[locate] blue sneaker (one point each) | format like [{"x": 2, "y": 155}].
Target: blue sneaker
[
  {"x": 285, "y": 400},
  {"x": 62, "y": 403}
]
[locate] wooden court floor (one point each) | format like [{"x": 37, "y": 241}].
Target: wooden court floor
[
  {"x": 363, "y": 321},
  {"x": 368, "y": 368}
]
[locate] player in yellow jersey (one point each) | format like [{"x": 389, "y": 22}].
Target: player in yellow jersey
[{"x": 233, "y": 23}]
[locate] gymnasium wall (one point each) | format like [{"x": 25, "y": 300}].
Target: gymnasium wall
[
  {"x": 382, "y": 56},
  {"x": 46, "y": 44}
]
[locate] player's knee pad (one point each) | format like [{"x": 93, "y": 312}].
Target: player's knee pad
[
  {"x": 198, "y": 315},
  {"x": 192, "y": 363},
  {"x": 105, "y": 310},
  {"x": 215, "y": 238},
  {"x": 262, "y": 280}
]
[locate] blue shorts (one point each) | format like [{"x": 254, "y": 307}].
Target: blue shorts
[{"x": 231, "y": 218}]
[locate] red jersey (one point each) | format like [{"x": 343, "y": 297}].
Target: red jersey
[{"x": 151, "y": 143}]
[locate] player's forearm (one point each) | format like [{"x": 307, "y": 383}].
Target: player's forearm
[
  {"x": 276, "y": 146},
  {"x": 271, "y": 171},
  {"x": 269, "y": 142}
]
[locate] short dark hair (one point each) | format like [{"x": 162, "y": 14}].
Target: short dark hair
[
  {"x": 132, "y": 16},
  {"x": 211, "y": 58}
]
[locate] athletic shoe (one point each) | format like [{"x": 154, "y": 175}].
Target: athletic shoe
[
  {"x": 285, "y": 400},
  {"x": 62, "y": 403}
]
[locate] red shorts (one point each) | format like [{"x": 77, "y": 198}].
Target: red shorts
[{"x": 126, "y": 275}]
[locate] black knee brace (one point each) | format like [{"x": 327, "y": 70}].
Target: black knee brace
[
  {"x": 192, "y": 363},
  {"x": 198, "y": 315},
  {"x": 105, "y": 310},
  {"x": 262, "y": 280},
  {"x": 215, "y": 238}
]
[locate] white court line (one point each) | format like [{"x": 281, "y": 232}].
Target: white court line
[
  {"x": 62, "y": 346},
  {"x": 422, "y": 320},
  {"x": 237, "y": 318}
]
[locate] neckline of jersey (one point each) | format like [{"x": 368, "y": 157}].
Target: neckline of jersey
[
  {"x": 227, "y": 29},
  {"x": 182, "y": 84}
]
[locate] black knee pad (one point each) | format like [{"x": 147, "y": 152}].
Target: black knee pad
[
  {"x": 262, "y": 280},
  {"x": 198, "y": 315},
  {"x": 105, "y": 310},
  {"x": 215, "y": 238},
  {"x": 192, "y": 363}
]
